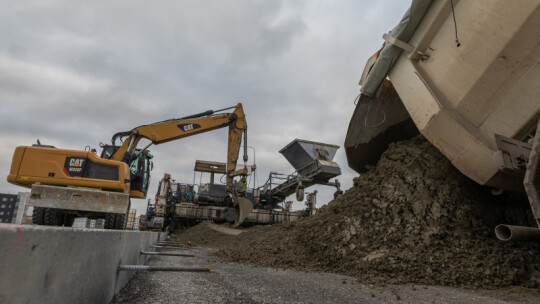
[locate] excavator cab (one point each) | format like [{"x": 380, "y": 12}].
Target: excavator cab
[{"x": 140, "y": 165}]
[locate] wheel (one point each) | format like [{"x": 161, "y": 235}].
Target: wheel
[
  {"x": 172, "y": 225},
  {"x": 121, "y": 219},
  {"x": 229, "y": 215},
  {"x": 110, "y": 219},
  {"x": 38, "y": 215},
  {"x": 299, "y": 194},
  {"x": 68, "y": 220},
  {"x": 53, "y": 217},
  {"x": 227, "y": 200},
  {"x": 120, "y": 222}
]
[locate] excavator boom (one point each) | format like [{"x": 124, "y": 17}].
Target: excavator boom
[{"x": 174, "y": 129}]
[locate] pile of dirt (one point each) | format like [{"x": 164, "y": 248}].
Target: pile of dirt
[{"x": 411, "y": 219}]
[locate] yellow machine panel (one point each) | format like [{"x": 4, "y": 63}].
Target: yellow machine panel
[{"x": 62, "y": 167}]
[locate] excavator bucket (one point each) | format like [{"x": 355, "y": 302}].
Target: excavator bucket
[
  {"x": 242, "y": 209},
  {"x": 376, "y": 122}
]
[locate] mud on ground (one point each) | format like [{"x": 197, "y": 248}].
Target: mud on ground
[{"x": 411, "y": 219}]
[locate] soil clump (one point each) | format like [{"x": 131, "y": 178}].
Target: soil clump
[{"x": 413, "y": 218}]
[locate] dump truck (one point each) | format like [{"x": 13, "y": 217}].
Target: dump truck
[{"x": 465, "y": 75}]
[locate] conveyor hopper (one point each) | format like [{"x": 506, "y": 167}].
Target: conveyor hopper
[
  {"x": 312, "y": 159},
  {"x": 313, "y": 164}
]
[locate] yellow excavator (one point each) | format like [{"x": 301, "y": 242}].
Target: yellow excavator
[{"x": 68, "y": 183}]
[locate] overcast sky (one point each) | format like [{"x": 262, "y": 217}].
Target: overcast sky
[{"x": 73, "y": 73}]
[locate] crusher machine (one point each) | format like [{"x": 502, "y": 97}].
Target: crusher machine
[{"x": 313, "y": 165}]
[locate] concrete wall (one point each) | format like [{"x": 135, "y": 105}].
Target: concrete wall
[{"x": 41, "y": 264}]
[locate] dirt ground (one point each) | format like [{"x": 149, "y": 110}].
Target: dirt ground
[
  {"x": 237, "y": 283},
  {"x": 412, "y": 219}
]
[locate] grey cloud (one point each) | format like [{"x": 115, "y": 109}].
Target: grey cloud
[{"x": 73, "y": 73}]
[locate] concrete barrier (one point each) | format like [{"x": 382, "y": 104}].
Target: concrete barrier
[{"x": 41, "y": 264}]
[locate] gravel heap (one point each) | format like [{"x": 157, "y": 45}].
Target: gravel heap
[{"x": 411, "y": 219}]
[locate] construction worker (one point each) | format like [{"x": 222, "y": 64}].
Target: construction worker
[
  {"x": 188, "y": 193},
  {"x": 244, "y": 182},
  {"x": 151, "y": 212}
]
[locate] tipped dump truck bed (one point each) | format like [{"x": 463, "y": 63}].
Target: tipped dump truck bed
[{"x": 461, "y": 97}]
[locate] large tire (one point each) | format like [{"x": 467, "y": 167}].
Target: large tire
[
  {"x": 110, "y": 219},
  {"x": 120, "y": 222},
  {"x": 38, "y": 215},
  {"x": 121, "y": 219},
  {"x": 53, "y": 217},
  {"x": 68, "y": 220},
  {"x": 117, "y": 221},
  {"x": 172, "y": 225}
]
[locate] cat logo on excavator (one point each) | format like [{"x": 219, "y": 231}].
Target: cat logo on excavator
[
  {"x": 76, "y": 162},
  {"x": 188, "y": 127}
]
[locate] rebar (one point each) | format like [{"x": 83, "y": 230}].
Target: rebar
[
  {"x": 172, "y": 245},
  {"x": 167, "y": 253},
  {"x": 161, "y": 268},
  {"x": 167, "y": 247}
]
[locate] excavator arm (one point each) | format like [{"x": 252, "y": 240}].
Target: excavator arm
[{"x": 173, "y": 129}]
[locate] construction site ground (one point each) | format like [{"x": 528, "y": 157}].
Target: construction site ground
[
  {"x": 411, "y": 229},
  {"x": 236, "y": 283}
]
